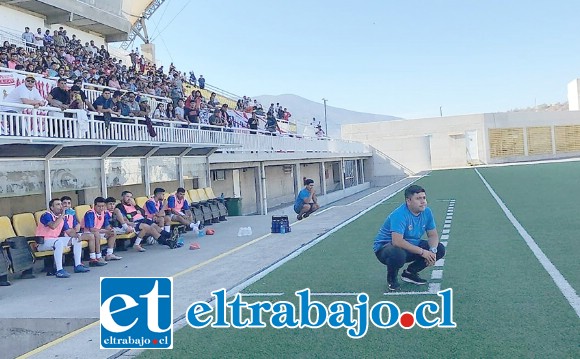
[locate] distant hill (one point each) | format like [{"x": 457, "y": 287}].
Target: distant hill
[{"x": 303, "y": 110}]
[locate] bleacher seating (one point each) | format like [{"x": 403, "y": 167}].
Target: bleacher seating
[
  {"x": 196, "y": 202},
  {"x": 205, "y": 206},
  {"x": 215, "y": 211},
  {"x": 223, "y": 211},
  {"x": 21, "y": 227}
]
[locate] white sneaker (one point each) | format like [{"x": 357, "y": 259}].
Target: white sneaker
[
  {"x": 151, "y": 240},
  {"x": 112, "y": 257}
]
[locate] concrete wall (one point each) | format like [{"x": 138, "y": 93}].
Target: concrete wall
[
  {"x": 168, "y": 186},
  {"x": 420, "y": 144},
  {"x": 138, "y": 190},
  {"x": 22, "y": 189},
  {"x": 312, "y": 171},
  {"x": 381, "y": 170},
  {"x": 332, "y": 181},
  {"x": 31, "y": 203},
  {"x": 15, "y": 21},
  {"x": 531, "y": 119},
  {"x": 279, "y": 186},
  {"x": 249, "y": 190}
]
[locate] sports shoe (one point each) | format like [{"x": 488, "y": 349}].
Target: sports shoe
[
  {"x": 392, "y": 282},
  {"x": 299, "y": 217},
  {"x": 151, "y": 240},
  {"x": 138, "y": 248},
  {"x": 112, "y": 257},
  {"x": 412, "y": 278},
  {"x": 62, "y": 274},
  {"x": 305, "y": 215},
  {"x": 171, "y": 243},
  {"x": 81, "y": 269},
  {"x": 96, "y": 263}
]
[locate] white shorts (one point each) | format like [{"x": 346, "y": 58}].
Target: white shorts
[
  {"x": 119, "y": 230},
  {"x": 101, "y": 235},
  {"x": 49, "y": 243},
  {"x": 173, "y": 215}
]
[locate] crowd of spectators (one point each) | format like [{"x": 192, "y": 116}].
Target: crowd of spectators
[{"x": 76, "y": 66}]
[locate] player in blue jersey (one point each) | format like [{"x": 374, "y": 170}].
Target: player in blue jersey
[{"x": 399, "y": 240}]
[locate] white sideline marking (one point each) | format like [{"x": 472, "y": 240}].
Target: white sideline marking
[
  {"x": 434, "y": 287},
  {"x": 437, "y": 274},
  {"x": 444, "y": 236},
  {"x": 561, "y": 282},
  {"x": 447, "y": 226},
  {"x": 448, "y": 221},
  {"x": 449, "y": 217},
  {"x": 440, "y": 262},
  {"x": 444, "y": 244},
  {"x": 445, "y": 231},
  {"x": 262, "y": 294}
]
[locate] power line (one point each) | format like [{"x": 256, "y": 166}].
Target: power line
[
  {"x": 161, "y": 17},
  {"x": 171, "y": 21}
]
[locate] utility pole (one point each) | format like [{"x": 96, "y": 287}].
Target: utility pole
[{"x": 325, "y": 122}]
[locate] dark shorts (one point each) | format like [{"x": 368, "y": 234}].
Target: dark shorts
[
  {"x": 145, "y": 220},
  {"x": 298, "y": 208}
]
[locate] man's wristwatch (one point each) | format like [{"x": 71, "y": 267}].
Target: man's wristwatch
[{"x": 433, "y": 249}]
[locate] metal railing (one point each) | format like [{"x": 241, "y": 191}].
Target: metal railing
[
  {"x": 50, "y": 124},
  {"x": 92, "y": 91},
  {"x": 14, "y": 38}
]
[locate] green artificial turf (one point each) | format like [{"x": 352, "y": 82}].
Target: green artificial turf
[{"x": 506, "y": 305}]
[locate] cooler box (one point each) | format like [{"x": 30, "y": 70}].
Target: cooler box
[{"x": 280, "y": 221}]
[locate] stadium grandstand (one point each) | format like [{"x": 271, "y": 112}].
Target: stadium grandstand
[
  {"x": 80, "y": 119},
  {"x": 149, "y": 171}
]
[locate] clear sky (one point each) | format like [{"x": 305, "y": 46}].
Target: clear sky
[{"x": 403, "y": 58}]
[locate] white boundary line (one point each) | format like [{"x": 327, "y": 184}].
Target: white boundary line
[
  {"x": 565, "y": 287},
  {"x": 299, "y": 251}
]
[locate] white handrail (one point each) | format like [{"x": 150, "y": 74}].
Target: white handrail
[{"x": 27, "y": 127}]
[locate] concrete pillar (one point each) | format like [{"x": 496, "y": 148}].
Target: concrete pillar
[
  {"x": 263, "y": 194},
  {"x": 47, "y": 177},
  {"x": 342, "y": 174},
  {"x": 322, "y": 176},
  {"x": 180, "y": 167},
  {"x": 297, "y": 179},
  {"x": 104, "y": 189},
  {"x": 146, "y": 175},
  {"x": 356, "y": 172}
]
